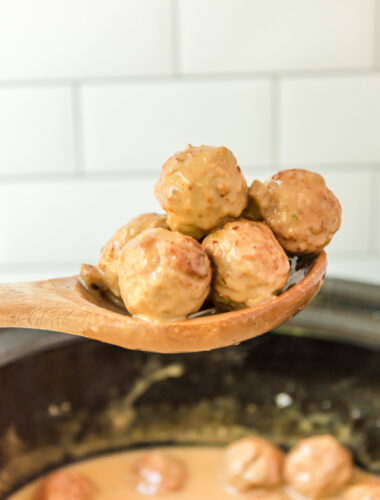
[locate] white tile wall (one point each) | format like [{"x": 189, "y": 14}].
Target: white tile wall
[
  {"x": 84, "y": 38},
  {"x": 67, "y": 220},
  {"x": 95, "y": 95},
  {"x": 362, "y": 268},
  {"x": 330, "y": 120},
  {"x": 36, "y": 130},
  {"x": 275, "y": 35},
  {"x": 138, "y": 126},
  {"x": 353, "y": 190}
]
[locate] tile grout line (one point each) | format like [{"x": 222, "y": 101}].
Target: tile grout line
[
  {"x": 190, "y": 77},
  {"x": 78, "y": 132}
]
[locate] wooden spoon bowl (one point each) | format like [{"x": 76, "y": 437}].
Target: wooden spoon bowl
[{"x": 65, "y": 305}]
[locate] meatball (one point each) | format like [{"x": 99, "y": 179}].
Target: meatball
[
  {"x": 365, "y": 491},
  {"x": 64, "y": 485},
  {"x": 160, "y": 473},
  {"x": 253, "y": 462},
  {"x": 299, "y": 208},
  {"x": 250, "y": 266},
  {"x": 163, "y": 275},
  {"x": 109, "y": 257},
  {"x": 200, "y": 188},
  {"x": 318, "y": 467}
]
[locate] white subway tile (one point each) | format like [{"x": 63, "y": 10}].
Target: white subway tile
[
  {"x": 260, "y": 174},
  {"x": 139, "y": 126},
  {"x": 86, "y": 38},
  {"x": 67, "y": 221},
  {"x": 353, "y": 189},
  {"x": 36, "y": 130},
  {"x": 359, "y": 268},
  {"x": 330, "y": 120},
  {"x": 253, "y": 35}
]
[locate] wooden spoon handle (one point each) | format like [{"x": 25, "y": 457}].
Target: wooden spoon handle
[
  {"x": 47, "y": 305},
  {"x": 20, "y": 304}
]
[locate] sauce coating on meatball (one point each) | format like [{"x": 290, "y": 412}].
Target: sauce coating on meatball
[
  {"x": 318, "y": 467},
  {"x": 64, "y": 485},
  {"x": 299, "y": 208},
  {"x": 200, "y": 188},
  {"x": 250, "y": 266},
  {"x": 160, "y": 473},
  {"x": 163, "y": 275},
  {"x": 366, "y": 491},
  {"x": 253, "y": 462},
  {"x": 109, "y": 257}
]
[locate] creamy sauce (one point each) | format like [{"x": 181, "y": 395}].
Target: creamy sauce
[{"x": 115, "y": 478}]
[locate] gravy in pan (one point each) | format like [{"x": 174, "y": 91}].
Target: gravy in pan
[{"x": 194, "y": 473}]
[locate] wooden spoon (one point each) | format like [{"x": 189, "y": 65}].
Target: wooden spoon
[{"x": 64, "y": 305}]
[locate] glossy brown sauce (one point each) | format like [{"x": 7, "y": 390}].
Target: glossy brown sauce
[{"x": 114, "y": 477}]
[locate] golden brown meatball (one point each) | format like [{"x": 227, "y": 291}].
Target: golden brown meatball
[
  {"x": 163, "y": 275},
  {"x": 65, "y": 485},
  {"x": 299, "y": 208},
  {"x": 160, "y": 473},
  {"x": 200, "y": 188},
  {"x": 365, "y": 491},
  {"x": 269, "y": 495},
  {"x": 253, "y": 462},
  {"x": 318, "y": 467},
  {"x": 250, "y": 266},
  {"x": 109, "y": 257}
]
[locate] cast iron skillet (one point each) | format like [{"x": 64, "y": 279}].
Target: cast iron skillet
[{"x": 78, "y": 398}]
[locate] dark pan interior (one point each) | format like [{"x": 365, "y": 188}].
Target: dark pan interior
[{"x": 85, "y": 398}]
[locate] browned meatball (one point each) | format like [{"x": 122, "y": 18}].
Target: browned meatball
[
  {"x": 109, "y": 257},
  {"x": 163, "y": 275},
  {"x": 200, "y": 188},
  {"x": 299, "y": 208},
  {"x": 318, "y": 467},
  {"x": 66, "y": 485},
  {"x": 365, "y": 491},
  {"x": 250, "y": 266},
  {"x": 160, "y": 473},
  {"x": 253, "y": 462},
  {"x": 267, "y": 494}
]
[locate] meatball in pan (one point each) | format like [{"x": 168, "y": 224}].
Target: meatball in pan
[
  {"x": 318, "y": 467},
  {"x": 159, "y": 473},
  {"x": 253, "y": 462},
  {"x": 64, "y": 485}
]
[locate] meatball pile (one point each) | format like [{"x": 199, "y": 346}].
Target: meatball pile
[{"x": 218, "y": 238}]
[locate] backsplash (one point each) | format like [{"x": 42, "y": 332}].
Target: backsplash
[{"x": 96, "y": 94}]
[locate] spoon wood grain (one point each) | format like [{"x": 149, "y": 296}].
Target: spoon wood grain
[{"x": 64, "y": 305}]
